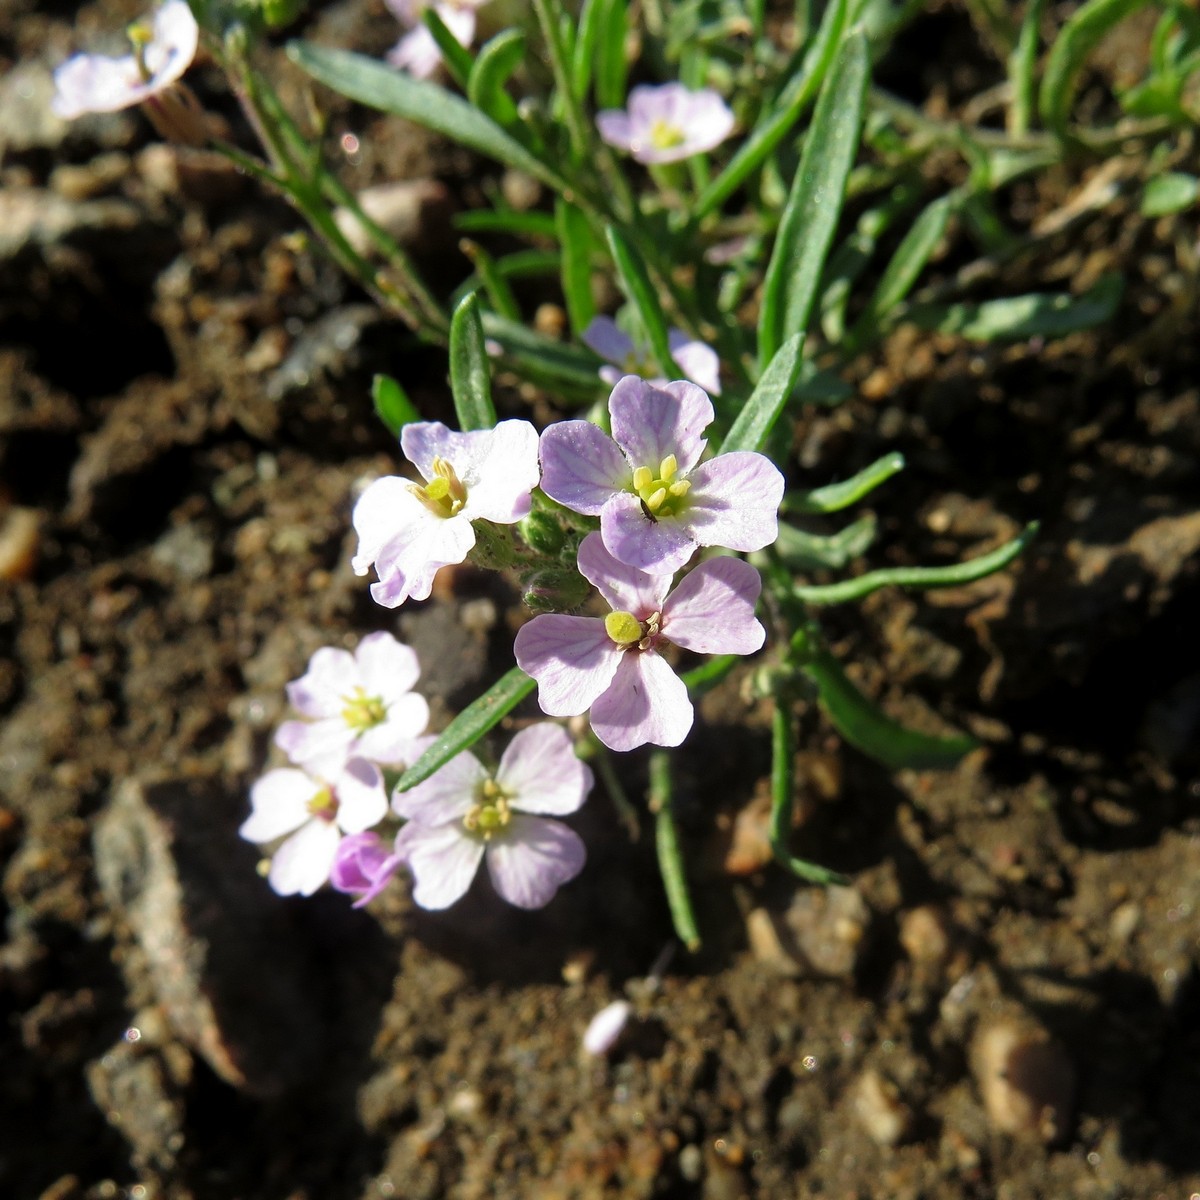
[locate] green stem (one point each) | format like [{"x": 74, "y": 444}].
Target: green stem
[
  {"x": 628, "y": 814},
  {"x": 552, "y": 33},
  {"x": 670, "y": 862}
]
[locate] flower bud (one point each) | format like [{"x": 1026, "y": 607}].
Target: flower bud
[
  {"x": 542, "y": 532},
  {"x": 553, "y": 590}
]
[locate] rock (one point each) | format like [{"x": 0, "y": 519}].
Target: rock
[
  {"x": 413, "y": 211},
  {"x": 38, "y": 217},
  {"x": 828, "y": 929},
  {"x": 928, "y": 937},
  {"x": 221, "y": 954},
  {"x": 327, "y": 348},
  {"x": 26, "y": 119},
  {"x": 186, "y": 551},
  {"x": 1025, "y": 1078},
  {"x": 880, "y": 1111}
]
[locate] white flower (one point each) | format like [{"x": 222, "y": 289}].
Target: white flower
[
  {"x": 417, "y": 52},
  {"x": 667, "y": 123},
  {"x": 315, "y": 812}
]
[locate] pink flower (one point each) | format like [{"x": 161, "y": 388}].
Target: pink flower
[
  {"x": 462, "y": 814},
  {"x": 615, "y": 667},
  {"x": 417, "y": 52},
  {"x": 92, "y": 83},
  {"x": 656, "y": 501},
  {"x": 358, "y": 705},
  {"x": 315, "y": 811},
  {"x": 362, "y": 867},
  {"x": 667, "y": 123},
  {"x": 410, "y": 531},
  {"x": 698, "y": 361}
]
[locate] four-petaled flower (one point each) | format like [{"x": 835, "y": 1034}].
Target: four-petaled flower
[
  {"x": 462, "y": 814},
  {"x": 417, "y": 52},
  {"x": 409, "y": 531},
  {"x": 358, "y": 705},
  {"x": 316, "y": 811},
  {"x": 93, "y": 83},
  {"x": 656, "y": 501},
  {"x": 614, "y": 666},
  {"x": 667, "y": 123},
  {"x": 362, "y": 867},
  {"x": 697, "y": 360}
]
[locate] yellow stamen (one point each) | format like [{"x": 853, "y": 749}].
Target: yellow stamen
[
  {"x": 140, "y": 36},
  {"x": 624, "y": 628},
  {"x": 444, "y": 495},
  {"x": 492, "y": 813},
  {"x": 680, "y": 488},
  {"x": 655, "y": 500},
  {"x": 642, "y": 478},
  {"x": 363, "y": 712},
  {"x": 323, "y": 804},
  {"x": 664, "y": 135},
  {"x": 668, "y": 467}
]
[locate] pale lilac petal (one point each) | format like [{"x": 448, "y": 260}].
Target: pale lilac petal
[
  {"x": 607, "y": 339},
  {"x": 647, "y": 702},
  {"x": 582, "y": 466},
  {"x": 459, "y": 19},
  {"x": 615, "y": 128},
  {"x": 417, "y": 53},
  {"x": 331, "y": 675},
  {"x": 387, "y": 668},
  {"x": 649, "y": 423},
  {"x": 443, "y": 860},
  {"x": 174, "y": 43},
  {"x": 501, "y": 473},
  {"x": 699, "y": 119},
  {"x": 407, "y": 12},
  {"x": 572, "y": 658},
  {"x": 542, "y": 773},
  {"x": 734, "y": 501},
  {"x": 362, "y": 867},
  {"x": 385, "y": 506},
  {"x": 624, "y": 588},
  {"x": 302, "y": 864},
  {"x": 712, "y": 610},
  {"x": 698, "y": 361},
  {"x": 408, "y": 563},
  {"x": 612, "y": 376},
  {"x": 388, "y": 747},
  {"x": 423, "y": 441},
  {"x": 279, "y": 801},
  {"x": 532, "y": 858},
  {"x": 446, "y": 796},
  {"x": 606, "y": 1027},
  {"x": 362, "y": 802},
  {"x": 307, "y": 742},
  {"x": 659, "y": 547}
]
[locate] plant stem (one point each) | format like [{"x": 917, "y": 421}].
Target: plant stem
[{"x": 670, "y": 863}]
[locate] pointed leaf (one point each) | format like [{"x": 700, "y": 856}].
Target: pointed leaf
[
  {"x": 392, "y": 404},
  {"x": 766, "y": 404},
  {"x": 470, "y": 372},
  {"x": 575, "y": 242},
  {"x": 636, "y": 283},
  {"x": 836, "y": 496},
  {"x": 497, "y": 60}
]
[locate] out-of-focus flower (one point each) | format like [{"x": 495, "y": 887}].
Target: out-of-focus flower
[
  {"x": 417, "y": 52},
  {"x": 94, "y": 83},
  {"x": 605, "y": 1028},
  {"x": 614, "y": 666},
  {"x": 667, "y": 123},
  {"x": 410, "y": 531},
  {"x": 462, "y": 814},
  {"x": 656, "y": 501},
  {"x": 315, "y": 811},
  {"x": 362, "y": 867},
  {"x": 697, "y": 360},
  {"x": 358, "y": 705}
]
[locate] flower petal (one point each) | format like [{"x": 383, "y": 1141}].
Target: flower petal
[
  {"x": 279, "y": 801},
  {"x": 362, "y": 867},
  {"x": 582, "y": 466},
  {"x": 446, "y": 796},
  {"x": 407, "y": 564},
  {"x": 173, "y": 44},
  {"x": 386, "y": 506},
  {"x": 572, "y": 658},
  {"x": 615, "y": 127},
  {"x": 417, "y": 53},
  {"x": 649, "y": 423},
  {"x": 542, "y": 773},
  {"x": 501, "y": 473},
  {"x": 309, "y": 742},
  {"x": 712, "y": 610},
  {"x": 302, "y": 864},
  {"x": 362, "y": 802},
  {"x": 647, "y": 702},
  {"x": 331, "y": 674},
  {"x": 443, "y": 860},
  {"x": 624, "y": 588},
  {"x": 532, "y": 859},
  {"x": 735, "y": 501},
  {"x": 607, "y": 339},
  {"x": 387, "y": 668},
  {"x": 658, "y": 547},
  {"x": 698, "y": 361}
]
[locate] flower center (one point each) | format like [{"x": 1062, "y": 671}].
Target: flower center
[
  {"x": 444, "y": 495},
  {"x": 140, "y": 36},
  {"x": 363, "y": 712},
  {"x": 664, "y": 135},
  {"x": 324, "y": 805},
  {"x": 662, "y": 495},
  {"x": 491, "y": 813},
  {"x": 627, "y": 631}
]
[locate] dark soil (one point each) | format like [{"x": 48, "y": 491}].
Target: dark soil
[{"x": 1007, "y": 1003}]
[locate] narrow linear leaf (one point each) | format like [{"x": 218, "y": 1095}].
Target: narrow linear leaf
[
  {"x": 636, "y": 283},
  {"x": 522, "y": 224},
  {"x": 758, "y": 416},
  {"x": 1022, "y": 64},
  {"x": 872, "y": 731},
  {"x": 455, "y": 56},
  {"x": 568, "y": 365},
  {"x": 802, "y": 551},
  {"x": 575, "y": 243},
  {"x": 379, "y": 86},
  {"x": 470, "y": 371},
  {"x": 612, "y": 64},
  {"x": 705, "y": 677},
  {"x": 392, "y": 404},
  {"x": 591, "y": 17},
  {"x": 1170, "y": 193},
  {"x": 670, "y": 859},
  {"x": 496, "y": 62},
  {"x": 836, "y": 496},
  {"x": 815, "y": 201},
  {"x": 1077, "y": 39},
  {"x": 493, "y": 280}
]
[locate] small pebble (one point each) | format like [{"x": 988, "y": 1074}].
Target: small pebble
[
  {"x": 1025, "y": 1078},
  {"x": 880, "y": 1111}
]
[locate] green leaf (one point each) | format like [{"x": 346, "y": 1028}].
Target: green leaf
[
  {"x": 815, "y": 201},
  {"x": 1039, "y": 314},
  {"x": 497, "y": 60},
  {"x": 918, "y": 577},
  {"x": 575, "y": 241},
  {"x": 380, "y": 86},
  {"x": 1170, "y": 193},
  {"x": 392, "y": 404},
  {"x": 470, "y": 725},
  {"x": 802, "y": 551},
  {"x": 470, "y": 372},
  {"x": 494, "y": 281},
  {"x": 758, "y": 416},
  {"x": 635, "y": 282},
  {"x": 706, "y": 676},
  {"x": 870, "y": 730},
  {"x": 836, "y": 496},
  {"x": 1077, "y": 39},
  {"x": 591, "y": 16},
  {"x": 557, "y": 363},
  {"x": 519, "y": 224},
  {"x": 455, "y": 56},
  {"x": 612, "y": 64},
  {"x": 670, "y": 859},
  {"x": 910, "y": 259},
  {"x": 1021, "y": 66},
  {"x": 792, "y": 103}
]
